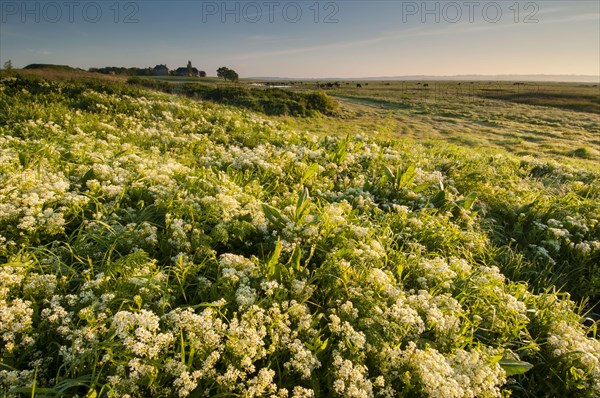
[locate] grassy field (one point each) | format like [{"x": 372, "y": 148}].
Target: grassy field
[
  {"x": 410, "y": 245},
  {"x": 472, "y": 115},
  {"x": 522, "y": 118}
]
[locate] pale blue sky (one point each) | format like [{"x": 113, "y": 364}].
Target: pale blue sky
[{"x": 309, "y": 38}]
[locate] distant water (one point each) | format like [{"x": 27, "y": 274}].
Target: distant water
[{"x": 271, "y": 85}]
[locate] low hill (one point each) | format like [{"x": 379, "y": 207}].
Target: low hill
[{"x": 52, "y": 67}]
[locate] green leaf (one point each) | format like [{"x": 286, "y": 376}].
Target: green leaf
[
  {"x": 274, "y": 259},
  {"x": 439, "y": 199},
  {"x": 389, "y": 174},
  {"x": 22, "y": 159},
  {"x": 182, "y": 347},
  {"x": 89, "y": 175},
  {"x": 421, "y": 188},
  {"x": 341, "y": 151},
  {"x": 323, "y": 346},
  {"x": 92, "y": 393},
  {"x": 274, "y": 215},
  {"x": 469, "y": 200},
  {"x": 513, "y": 367},
  {"x": 407, "y": 177},
  {"x": 294, "y": 262},
  {"x": 312, "y": 169},
  {"x": 302, "y": 204}
]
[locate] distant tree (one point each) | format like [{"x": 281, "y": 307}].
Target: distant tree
[
  {"x": 8, "y": 65},
  {"x": 231, "y": 75},
  {"x": 202, "y": 73},
  {"x": 228, "y": 74},
  {"x": 222, "y": 71}
]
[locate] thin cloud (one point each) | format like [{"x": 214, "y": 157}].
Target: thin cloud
[
  {"x": 574, "y": 18},
  {"x": 419, "y": 31},
  {"x": 8, "y": 32},
  {"x": 552, "y": 10},
  {"x": 260, "y": 38},
  {"x": 39, "y": 52},
  {"x": 413, "y": 32}
]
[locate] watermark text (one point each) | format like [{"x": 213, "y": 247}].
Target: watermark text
[
  {"x": 270, "y": 11},
  {"x": 69, "y": 11},
  {"x": 469, "y": 11}
]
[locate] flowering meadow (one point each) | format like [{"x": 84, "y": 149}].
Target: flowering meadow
[{"x": 153, "y": 246}]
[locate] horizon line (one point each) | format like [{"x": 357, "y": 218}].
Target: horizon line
[{"x": 438, "y": 77}]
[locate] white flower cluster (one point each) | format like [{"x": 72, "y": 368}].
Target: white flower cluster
[
  {"x": 140, "y": 333},
  {"x": 25, "y": 197},
  {"x": 350, "y": 380},
  {"x": 578, "y": 353},
  {"x": 15, "y": 324},
  {"x": 472, "y": 373},
  {"x": 16, "y": 314},
  {"x": 237, "y": 268}
]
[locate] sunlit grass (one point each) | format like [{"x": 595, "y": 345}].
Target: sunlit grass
[{"x": 154, "y": 246}]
